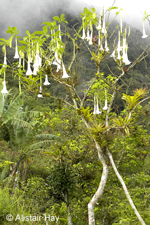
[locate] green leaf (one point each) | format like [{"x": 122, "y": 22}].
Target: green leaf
[
  {"x": 10, "y": 41},
  {"x": 38, "y": 32},
  {"x": 45, "y": 29},
  {"x": 62, "y": 17},
  {"x": 23, "y": 42},
  {"x": 56, "y": 18},
  {"x": 113, "y": 8},
  {"x": 47, "y": 23},
  {"x": 28, "y": 33}
]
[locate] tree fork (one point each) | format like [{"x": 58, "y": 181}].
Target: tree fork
[{"x": 100, "y": 190}]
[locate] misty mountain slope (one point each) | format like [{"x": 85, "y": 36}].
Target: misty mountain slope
[{"x": 83, "y": 67}]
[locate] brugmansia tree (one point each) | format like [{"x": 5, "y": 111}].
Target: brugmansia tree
[{"x": 41, "y": 55}]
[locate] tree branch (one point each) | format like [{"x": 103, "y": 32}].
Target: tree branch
[{"x": 125, "y": 188}]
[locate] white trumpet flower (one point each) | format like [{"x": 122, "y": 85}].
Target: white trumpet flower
[
  {"x": 5, "y": 61},
  {"x": 83, "y": 33},
  {"x": 96, "y": 107},
  {"x": 99, "y": 26},
  {"x": 65, "y": 75},
  {"x": 46, "y": 81},
  {"x": 57, "y": 62},
  {"x": 101, "y": 48},
  {"x": 99, "y": 38},
  {"x": 40, "y": 61},
  {"x": 119, "y": 46},
  {"x": 106, "y": 46},
  {"x": 125, "y": 55},
  {"x": 4, "y": 90},
  {"x": 144, "y": 33},
  {"x": 29, "y": 71},
  {"x": 40, "y": 94},
  {"x": 16, "y": 53},
  {"x": 35, "y": 69},
  {"x": 105, "y": 106},
  {"x": 113, "y": 54}
]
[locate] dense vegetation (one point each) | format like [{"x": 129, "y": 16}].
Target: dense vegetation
[{"x": 49, "y": 163}]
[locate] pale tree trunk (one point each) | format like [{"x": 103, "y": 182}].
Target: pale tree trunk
[
  {"x": 69, "y": 216},
  {"x": 100, "y": 190},
  {"x": 125, "y": 189},
  {"x": 68, "y": 209}
]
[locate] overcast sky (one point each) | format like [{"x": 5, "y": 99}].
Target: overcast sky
[
  {"x": 21, "y": 12},
  {"x": 132, "y": 9}
]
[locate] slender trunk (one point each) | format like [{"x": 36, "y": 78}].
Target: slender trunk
[
  {"x": 125, "y": 189},
  {"x": 69, "y": 216},
  {"x": 100, "y": 190}
]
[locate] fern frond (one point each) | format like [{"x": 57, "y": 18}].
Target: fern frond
[{"x": 39, "y": 144}]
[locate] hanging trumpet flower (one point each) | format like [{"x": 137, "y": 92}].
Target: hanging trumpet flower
[
  {"x": 125, "y": 55},
  {"x": 105, "y": 106},
  {"x": 99, "y": 26},
  {"x": 40, "y": 95},
  {"x": 29, "y": 71},
  {"x": 5, "y": 62},
  {"x": 113, "y": 54},
  {"x": 144, "y": 33},
  {"x": 96, "y": 107},
  {"x": 4, "y": 90},
  {"x": 16, "y": 51},
  {"x": 106, "y": 46},
  {"x": 40, "y": 61},
  {"x": 46, "y": 81},
  {"x": 57, "y": 62},
  {"x": 36, "y": 64},
  {"x": 60, "y": 32},
  {"x": 40, "y": 91},
  {"x": 83, "y": 31},
  {"x": 65, "y": 75}
]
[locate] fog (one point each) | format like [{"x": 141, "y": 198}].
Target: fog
[{"x": 20, "y": 13}]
